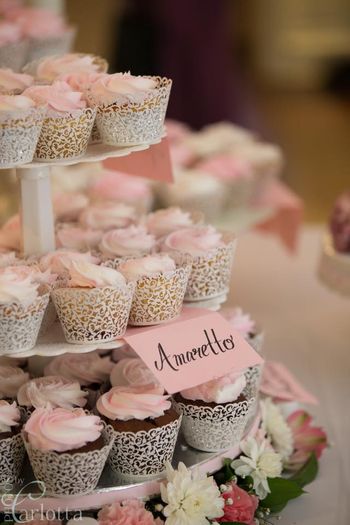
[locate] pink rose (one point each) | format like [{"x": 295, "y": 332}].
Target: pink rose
[
  {"x": 131, "y": 512},
  {"x": 239, "y": 505}
]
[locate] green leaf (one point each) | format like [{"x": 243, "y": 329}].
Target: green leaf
[
  {"x": 282, "y": 490},
  {"x": 307, "y": 473}
]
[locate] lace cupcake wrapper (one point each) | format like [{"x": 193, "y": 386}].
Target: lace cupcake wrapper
[
  {"x": 12, "y": 454},
  {"x": 214, "y": 429},
  {"x": 19, "y": 325},
  {"x": 97, "y": 314}
]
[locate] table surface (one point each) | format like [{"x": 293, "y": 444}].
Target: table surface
[{"x": 308, "y": 329}]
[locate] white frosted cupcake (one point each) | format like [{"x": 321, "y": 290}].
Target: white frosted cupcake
[
  {"x": 68, "y": 205},
  {"x": 160, "y": 288},
  {"x": 11, "y": 444},
  {"x": 13, "y": 47},
  {"x": 51, "y": 391},
  {"x": 130, "y": 109},
  {"x": 214, "y": 414},
  {"x": 21, "y": 121},
  {"x": 67, "y": 127},
  {"x": 144, "y": 429},
  {"x": 12, "y": 83},
  {"x": 67, "y": 449},
  {"x": 22, "y": 307},
  {"x": 133, "y": 372},
  {"x": 11, "y": 379},
  {"x": 78, "y": 238},
  {"x": 212, "y": 255},
  {"x": 133, "y": 241},
  {"x": 162, "y": 222},
  {"x": 95, "y": 305},
  {"x": 106, "y": 216}
]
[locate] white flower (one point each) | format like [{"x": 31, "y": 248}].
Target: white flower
[
  {"x": 192, "y": 498},
  {"x": 276, "y": 428},
  {"x": 259, "y": 463}
]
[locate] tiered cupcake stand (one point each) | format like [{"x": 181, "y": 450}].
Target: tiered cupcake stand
[{"x": 38, "y": 237}]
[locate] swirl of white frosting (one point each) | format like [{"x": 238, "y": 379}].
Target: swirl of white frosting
[
  {"x": 9, "y": 416},
  {"x": 132, "y": 371},
  {"x": 52, "y": 67},
  {"x": 197, "y": 241},
  {"x": 15, "y": 103},
  {"x": 10, "y": 81},
  {"x": 225, "y": 389},
  {"x": 76, "y": 238},
  {"x": 122, "y": 87},
  {"x": 87, "y": 369},
  {"x": 133, "y": 240},
  {"x": 11, "y": 379},
  {"x": 105, "y": 216},
  {"x": 133, "y": 402},
  {"x": 148, "y": 266},
  {"x": 86, "y": 275},
  {"x": 59, "y": 260},
  {"x": 16, "y": 287},
  {"x": 163, "y": 222},
  {"x": 51, "y": 391}
]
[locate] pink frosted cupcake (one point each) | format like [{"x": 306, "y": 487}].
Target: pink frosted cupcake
[
  {"x": 131, "y": 110},
  {"x": 78, "y": 238},
  {"x": 106, "y": 216},
  {"x": 68, "y": 205},
  {"x": 214, "y": 414},
  {"x": 133, "y": 372},
  {"x": 13, "y": 47},
  {"x": 212, "y": 255},
  {"x": 67, "y": 127},
  {"x": 133, "y": 241},
  {"x": 67, "y": 449},
  {"x": 11, "y": 380},
  {"x": 144, "y": 429},
  {"x": 95, "y": 305},
  {"x": 162, "y": 222},
  {"x": 160, "y": 288},
  {"x": 116, "y": 186},
  {"x": 51, "y": 391},
  {"x": 58, "y": 261},
  {"x": 12, "y": 83},
  {"x": 11, "y": 444},
  {"x": 21, "y": 122}
]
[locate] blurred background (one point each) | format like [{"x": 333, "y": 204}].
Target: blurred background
[{"x": 279, "y": 68}]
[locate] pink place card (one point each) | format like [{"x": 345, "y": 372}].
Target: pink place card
[{"x": 198, "y": 346}]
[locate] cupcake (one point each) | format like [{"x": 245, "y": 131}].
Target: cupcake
[
  {"x": 130, "y": 110},
  {"x": 162, "y": 222},
  {"x": 78, "y": 238},
  {"x": 67, "y": 67},
  {"x": 58, "y": 261},
  {"x": 133, "y": 241},
  {"x": 11, "y": 379},
  {"x": 144, "y": 428},
  {"x": 160, "y": 288},
  {"x": 180, "y": 153},
  {"x": 13, "y": 47},
  {"x": 21, "y": 121},
  {"x": 51, "y": 391},
  {"x": 22, "y": 308},
  {"x": 68, "y": 123},
  {"x": 11, "y": 444},
  {"x": 212, "y": 255},
  {"x": 132, "y": 372},
  {"x": 68, "y": 205},
  {"x": 67, "y": 449},
  {"x": 214, "y": 414},
  {"x": 95, "y": 305},
  {"x": 12, "y": 83},
  {"x": 116, "y": 186},
  {"x": 106, "y": 216}
]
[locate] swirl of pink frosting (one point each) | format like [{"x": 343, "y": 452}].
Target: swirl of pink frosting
[
  {"x": 197, "y": 241},
  {"x": 9, "y": 416},
  {"x": 148, "y": 266},
  {"x": 122, "y": 87},
  {"x": 163, "y": 222},
  {"x": 132, "y": 371},
  {"x": 9, "y": 33},
  {"x": 225, "y": 389},
  {"x": 51, "y": 391},
  {"x": 87, "y": 369},
  {"x": 59, "y": 97},
  {"x": 58, "y": 260},
  {"x": 240, "y": 321},
  {"x": 60, "y": 429},
  {"x": 134, "y": 240},
  {"x": 77, "y": 238},
  {"x": 86, "y": 275},
  {"x": 105, "y": 216},
  {"x": 53, "y": 67},
  {"x": 226, "y": 167},
  {"x": 133, "y": 402},
  {"x": 68, "y": 205},
  {"x": 17, "y": 287},
  {"x": 11, "y": 379},
  {"x": 9, "y": 80},
  {"x": 81, "y": 81},
  {"x": 10, "y": 234},
  {"x": 15, "y": 103},
  {"x": 38, "y": 23},
  {"x": 118, "y": 186}
]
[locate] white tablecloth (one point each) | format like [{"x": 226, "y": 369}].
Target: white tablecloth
[{"x": 308, "y": 329}]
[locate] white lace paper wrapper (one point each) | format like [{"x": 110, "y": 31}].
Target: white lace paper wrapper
[
  {"x": 69, "y": 474},
  {"x": 14, "y": 55},
  {"x": 214, "y": 429},
  {"x": 132, "y": 123},
  {"x": 19, "y": 325},
  {"x": 12, "y": 454},
  {"x": 96, "y": 314},
  {"x": 143, "y": 454},
  {"x": 253, "y": 377}
]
